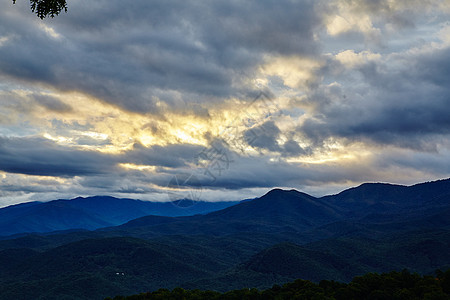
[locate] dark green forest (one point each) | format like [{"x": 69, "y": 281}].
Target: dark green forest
[
  {"x": 394, "y": 285},
  {"x": 262, "y": 244}
]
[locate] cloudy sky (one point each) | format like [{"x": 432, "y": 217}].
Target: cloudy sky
[{"x": 212, "y": 100}]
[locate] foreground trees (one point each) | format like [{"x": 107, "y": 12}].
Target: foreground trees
[{"x": 393, "y": 285}]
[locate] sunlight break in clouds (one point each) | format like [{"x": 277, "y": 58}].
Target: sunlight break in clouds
[{"x": 108, "y": 104}]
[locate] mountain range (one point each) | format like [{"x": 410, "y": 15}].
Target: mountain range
[
  {"x": 279, "y": 237},
  {"x": 92, "y": 213}
]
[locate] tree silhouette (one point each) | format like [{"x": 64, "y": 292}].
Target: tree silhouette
[{"x": 47, "y": 8}]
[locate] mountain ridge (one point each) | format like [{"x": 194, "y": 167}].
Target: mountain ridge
[
  {"x": 293, "y": 211},
  {"x": 298, "y": 211},
  {"x": 271, "y": 239},
  {"x": 90, "y": 213}
]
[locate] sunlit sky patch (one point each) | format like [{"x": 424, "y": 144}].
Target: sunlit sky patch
[{"x": 222, "y": 100}]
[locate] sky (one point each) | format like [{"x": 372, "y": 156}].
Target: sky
[{"x": 222, "y": 100}]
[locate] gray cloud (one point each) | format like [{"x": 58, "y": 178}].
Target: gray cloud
[
  {"x": 260, "y": 172},
  {"x": 264, "y": 136},
  {"x": 172, "y": 156},
  {"x": 37, "y": 156},
  {"x": 123, "y": 53},
  {"x": 292, "y": 148},
  {"x": 401, "y": 101},
  {"x": 52, "y": 103}
]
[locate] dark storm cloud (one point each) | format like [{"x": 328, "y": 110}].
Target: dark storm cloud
[
  {"x": 434, "y": 68},
  {"x": 171, "y": 156},
  {"x": 36, "y": 187},
  {"x": 429, "y": 162},
  {"x": 37, "y": 156},
  {"x": 260, "y": 172},
  {"x": 266, "y": 136},
  {"x": 292, "y": 148},
  {"x": 52, "y": 103},
  {"x": 126, "y": 54},
  {"x": 406, "y": 106}
]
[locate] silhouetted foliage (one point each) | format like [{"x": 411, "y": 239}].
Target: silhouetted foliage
[
  {"x": 393, "y": 285},
  {"x": 47, "y": 8}
]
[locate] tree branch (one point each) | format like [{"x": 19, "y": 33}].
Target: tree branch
[{"x": 47, "y": 8}]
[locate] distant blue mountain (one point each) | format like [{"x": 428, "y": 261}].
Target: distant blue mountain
[
  {"x": 92, "y": 213},
  {"x": 291, "y": 211},
  {"x": 278, "y": 237}
]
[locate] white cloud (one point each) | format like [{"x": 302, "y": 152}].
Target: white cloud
[
  {"x": 4, "y": 40},
  {"x": 50, "y": 31},
  {"x": 351, "y": 59},
  {"x": 295, "y": 71}
]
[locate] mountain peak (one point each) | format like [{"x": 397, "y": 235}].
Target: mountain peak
[
  {"x": 377, "y": 184},
  {"x": 279, "y": 191},
  {"x": 275, "y": 193},
  {"x": 279, "y": 209}
]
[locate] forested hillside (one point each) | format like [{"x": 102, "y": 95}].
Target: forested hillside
[
  {"x": 393, "y": 285},
  {"x": 274, "y": 239}
]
